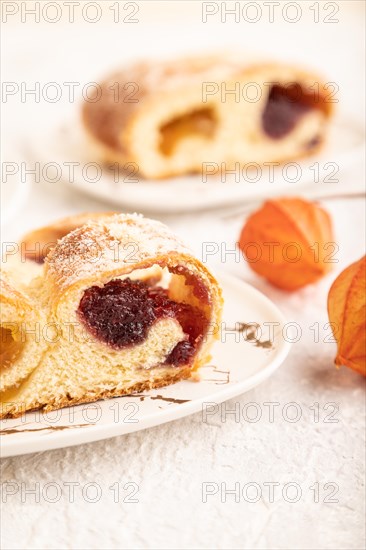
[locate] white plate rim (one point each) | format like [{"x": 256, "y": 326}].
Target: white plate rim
[{"x": 216, "y": 197}]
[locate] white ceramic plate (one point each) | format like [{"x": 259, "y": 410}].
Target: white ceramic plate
[
  {"x": 240, "y": 361},
  {"x": 64, "y": 143}
]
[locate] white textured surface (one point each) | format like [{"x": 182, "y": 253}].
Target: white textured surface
[{"x": 169, "y": 463}]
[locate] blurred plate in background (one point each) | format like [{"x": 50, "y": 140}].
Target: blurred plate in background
[{"x": 66, "y": 156}]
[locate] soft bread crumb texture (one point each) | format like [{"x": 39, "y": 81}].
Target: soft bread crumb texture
[{"x": 67, "y": 365}]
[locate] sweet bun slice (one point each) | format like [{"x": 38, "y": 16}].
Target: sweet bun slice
[
  {"x": 25, "y": 262},
  {"x": 117, "y": 330},
  {"x": 36, "y": 244},
  {"x": 22, "y": 342},
  {"x": 169, "y": 118}
]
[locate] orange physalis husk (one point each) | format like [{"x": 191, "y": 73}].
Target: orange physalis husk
[
  {"x": 289, "y": 241},
  {"x": 347, "y": 314}
]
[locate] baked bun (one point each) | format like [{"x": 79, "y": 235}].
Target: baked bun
[
  {"x": 21, "y": 341},
  {"x": 169, "y": 118},
  {"x": 37, "y": 244},
  {"x": 112, "y": 330},
  {"x": 25, "y": 261}
]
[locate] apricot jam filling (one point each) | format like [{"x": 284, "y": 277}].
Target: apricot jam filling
[
  {"x": 121, "y": 313},
  {"x": 10, "y": 348},
  {"x": 196, "y": 123}
]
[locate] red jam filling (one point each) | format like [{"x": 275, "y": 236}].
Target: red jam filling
[
  {"x": 284, "y": 108},
  {"x": 199, "y": 289},
  {"x": 121, "y": 313}
]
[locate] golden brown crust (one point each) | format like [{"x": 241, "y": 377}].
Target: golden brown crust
[
  {"x": 118, "y": 244},
  {"x": 176, "y": 376},
  {"x": 38, "y": 243}
]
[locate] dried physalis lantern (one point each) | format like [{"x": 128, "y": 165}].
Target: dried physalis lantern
[
  {"x": 289, "y": 241},
  {"x": 347, "y": 314}
]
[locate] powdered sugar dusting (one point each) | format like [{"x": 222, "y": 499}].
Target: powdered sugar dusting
[{"x": 119, "y": 241}]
